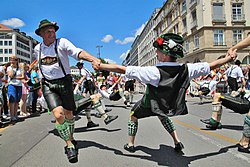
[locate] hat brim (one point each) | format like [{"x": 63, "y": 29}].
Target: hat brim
[{"x": 37, "y": 31}]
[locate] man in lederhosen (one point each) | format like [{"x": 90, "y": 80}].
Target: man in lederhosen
[{"x": 52, "y": 55}]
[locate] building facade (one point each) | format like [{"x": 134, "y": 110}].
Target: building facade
[
  {"x": 14, "y": 42},
  {"x": 209, "y": 29}
]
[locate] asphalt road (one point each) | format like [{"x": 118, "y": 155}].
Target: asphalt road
[{"x": 34, "y": 141}]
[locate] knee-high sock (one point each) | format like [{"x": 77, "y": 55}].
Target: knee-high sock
[
  {"x": 103, "y": 104},
  {"x": 246, "y": 126},
  {"x": 217, "y": 111},
  {"x": 88, "y": 115},
  {"x": 167, "y": 124},
  {"x": 71, "y": 124},
  {"x": 132, "y": 128},
  {"x": 122, "y": 94},
  {"x": 63, "y": 130},
  {"x": 131, "y": 97},
  {"x": 98, "y": 106}
]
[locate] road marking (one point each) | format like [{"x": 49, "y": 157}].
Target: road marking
[
  {"x": 208, "y": 132},
  {"x": 2, "y": 129}
]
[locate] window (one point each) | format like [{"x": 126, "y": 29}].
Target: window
[
  {"x": 184, "y": 22},
  {"x": 10, "y": 43},
  {"x": 6, "y": 59},
  {"x": 237, "y": 36},
  {"x": 1, "y": 43},
  {"x": 10, "y": 51},
  {"x": 1, "y": 51},
  {"x": 237, "y": 11},
  {"x": 218, "y": 11},
  {"x": 184, "y": 6},
  {"x": 194, "y": 23},
  {"x": 196, "y": 42},
  {"x": 218, "y": 37},
  {"x": 5, "y": 43},
  {"x": 186, "y": 45},
  {"x": 1, "y": 59},
  {"x": 5, "y": 51}
]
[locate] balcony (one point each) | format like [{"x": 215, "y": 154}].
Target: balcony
[
  {"x": 218, "y": 18},
  {"x": 238, "y": 18}
]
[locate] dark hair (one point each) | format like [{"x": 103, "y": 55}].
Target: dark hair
[
  {"x": 237, "y": 62},
  {"x": 102, "y": 86}
]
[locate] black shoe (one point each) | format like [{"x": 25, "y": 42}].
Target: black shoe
[
  {"x": 53, "y": 121},
  {"x": 214, "y": 126},
  {"x": 125, "y": 102},
  {"x": 109, "y": 119},
  {"x": 191, "y": 94},
  {"x": 98, "y": 115},
  {"x": 108, "y": 110},
  {"x": 178, "y": 147},
  {"x": 206, "y": 121},
  {"x": 71, "y": 153},
  {"x": 74, "y": 142},
  {"x": 242, "y": 149},
  {"x": 92, "y": 124},
  {"x": 129, "y": 148}
]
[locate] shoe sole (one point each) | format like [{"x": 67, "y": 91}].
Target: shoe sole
[{"x": 111, "y": 120}]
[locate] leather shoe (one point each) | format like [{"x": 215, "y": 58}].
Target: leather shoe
[
  {"x": 178, "y": 147},
  {"x": 129, "y": 148},
  {"x": 242, "y": 149},
  {"x": 108, "y": 110},
  {"x": 109, "y": 119},
  {"x": 91, "y": 124},
  {"x": 71, "y": 153}
]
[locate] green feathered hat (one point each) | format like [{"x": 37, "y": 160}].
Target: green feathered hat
[
  {"x": 170, "y": 44},
  {"x": 45, "y": 23}
]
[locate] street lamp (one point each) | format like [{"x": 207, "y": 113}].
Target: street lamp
[{"x": 99, "y": 50}]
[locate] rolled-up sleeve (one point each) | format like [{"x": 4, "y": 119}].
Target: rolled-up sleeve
[
  {"x": 71, "y": 49},
  {"x": 198, "y": 69},
  {"x": 147, "y": 75}
]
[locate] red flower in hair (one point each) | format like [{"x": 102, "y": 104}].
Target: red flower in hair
[{"x": 160, "y": 40}]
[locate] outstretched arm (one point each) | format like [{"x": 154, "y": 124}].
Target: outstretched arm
[
  {"x": 88, "y": 57},
  {"x": 229, "y": 57},
  {"x": 112, "y": 67},
  {"x": 242, "y": 44}
]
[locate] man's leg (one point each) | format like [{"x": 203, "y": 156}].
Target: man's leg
[
  {"x": 214, "y": 121},
  {"x": 132, "y": 130},
  {"x": 243, "y": 146},
  {"x": 90, "y": 123},
  {"x": 65, "y": 128},
  {"x": 98, "y": 106},
  {"x": 169, "y": 126}
]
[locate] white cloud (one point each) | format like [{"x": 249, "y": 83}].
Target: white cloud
[
  {"x": 110, "y": 61},
  {"x": 13, "y": 22},
  {"x": 131, "y": 39},
  {"x": 139, "y": 30},
  {"x": 125, "y": 41},
  {"x": 124, "y": 55},
  {"x": 107, "y": 38}
]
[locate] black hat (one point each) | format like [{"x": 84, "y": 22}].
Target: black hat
[
  {"x": 79, "y": 64},
  {"x": 45, "y": 23},
  {"x": 237, "y": 62}
]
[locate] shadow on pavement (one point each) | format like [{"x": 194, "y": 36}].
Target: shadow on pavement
[{"x": 166, "y": 156}]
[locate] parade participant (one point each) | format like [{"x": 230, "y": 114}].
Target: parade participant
[
  {"x": 166, "y": 85},
  {"x": 235, "y": 76},
  {"x": 115, "y": 95},
  {"x": 130, "y": 88},
  {"x": 83, "y": 102},
  {"x": 52, "y": 55},
  {"x": 244, "y": 142}
]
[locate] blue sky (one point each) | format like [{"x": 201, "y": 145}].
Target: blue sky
[{"x": 112, "y": 24}]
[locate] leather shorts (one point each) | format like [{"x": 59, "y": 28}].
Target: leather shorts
[{"x": 59, "y": 92}]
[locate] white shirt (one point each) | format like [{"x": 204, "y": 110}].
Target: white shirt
[
  {"x": 151, "y": 74},
  {"x": 65, "y": 48},
  {"x": 235, "y": 72},
  {"x": 86, "y": 73},
  {"x": 15, "y": 82}
]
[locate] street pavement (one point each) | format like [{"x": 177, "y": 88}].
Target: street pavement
[{"x": 35, "y": 143}]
